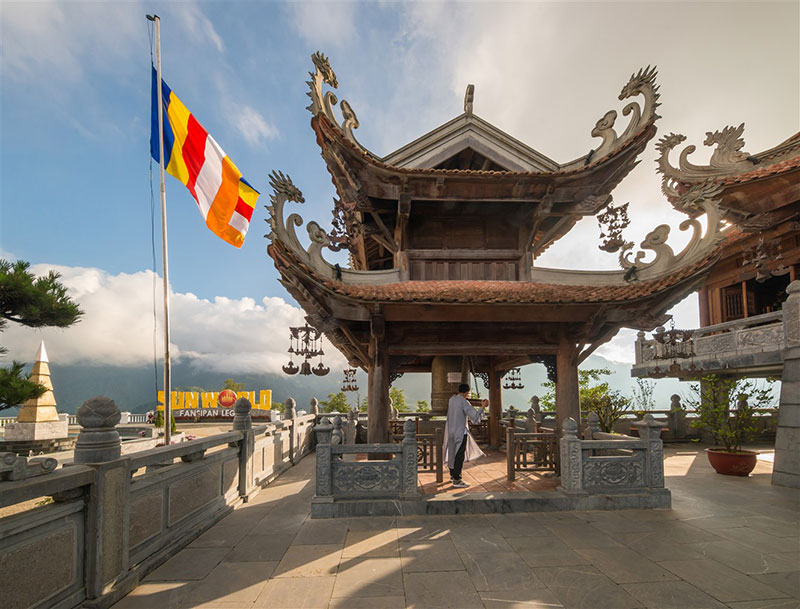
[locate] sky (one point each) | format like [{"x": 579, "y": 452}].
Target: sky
[{"x": 76, "y": 172}]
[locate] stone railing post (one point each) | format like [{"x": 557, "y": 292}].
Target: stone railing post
[
  {"x": 99, "y": 446},
  {"x": 337, "y": 435},
  {"x": 243, "y": 421},
  {"x": 639, "y": 358},
  {"x": 571, "y": 458},
  {"x": 289, "y": 413},
  {"x": 786, "y": 469},
  {"x": 530, "y": 421},
  {"x": 313, "y": 406},
  {"x": 323, "y": 433},
  {"x": 676, "y": 418},
  {"x": 650, "y": 431},
  {"x": 592, "y": 426},
  {"x": 350, "y": 429},
  {"x": 409, "y": 459}
]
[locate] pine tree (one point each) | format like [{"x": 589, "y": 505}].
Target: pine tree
[{"x": 34, "y": 302}]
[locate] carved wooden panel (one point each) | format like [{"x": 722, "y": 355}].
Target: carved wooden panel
[{"x": 444, "y": 270}]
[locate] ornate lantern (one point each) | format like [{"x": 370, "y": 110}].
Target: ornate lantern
[
  {"x": 306, "y": 342},
  {"x": 349, "y": 382},
  {"x": 513, "y": 380}
]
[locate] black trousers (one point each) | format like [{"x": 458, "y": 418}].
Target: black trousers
[{"x": 455, "y": 471}]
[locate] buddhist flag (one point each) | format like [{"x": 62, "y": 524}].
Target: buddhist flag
[{"x": 223, "y": 196}]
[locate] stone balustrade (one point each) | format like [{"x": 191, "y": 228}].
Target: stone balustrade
[
  {"x": 113, "y": 518},
  {"x": 391, "y": 474},
  {"x": 609, "y": 464},
  {"x": 754, "y": 343}
]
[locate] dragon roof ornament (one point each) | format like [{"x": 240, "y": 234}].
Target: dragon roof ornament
[
  {"x": 727, "y": 159},
  {"x": 700, "y": 245},
  {"x": 284, "y": 190},
  {"x": 322, "y": 102},
  {"x": 641, "y": 83}
]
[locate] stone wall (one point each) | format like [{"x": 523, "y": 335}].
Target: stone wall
[{"x": 116, "y": 517}]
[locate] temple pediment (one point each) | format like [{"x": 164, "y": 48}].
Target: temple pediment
[{"x": 469, "y": 142}]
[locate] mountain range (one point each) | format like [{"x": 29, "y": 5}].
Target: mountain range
[{"x": 134, "y": 387}]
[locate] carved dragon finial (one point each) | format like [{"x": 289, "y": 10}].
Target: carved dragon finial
[
  {"x": 641, "y": 83},
  {"x": 699, "y": 246},
  {"x": 726, "y": 159},
  {"x": 323, "y": 102}
]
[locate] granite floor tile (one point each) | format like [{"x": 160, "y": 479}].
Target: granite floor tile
[
  {"x": 758, "y": 540},
  {"x": 546, "y": 552},
  {"x": 233, "y": 582},
  {"x": 430, "y": 555},
  {"x": 721, "y": 582},
  {"x": 683, "y": 532},
  {"x": 658, "y": 547},
  {"x": 499, "y": 571},
  {"x": 309, "y": 561},
  {"x": 480, "y": 539},
  {"x": 372, "y": 523},
  {"x": 778, "y": 603},
  {"x": 360, "y": 577},
  {"x": 220, "y": 536},
  {"x": 624, "y": 566},
  {"x": 370, "y": 543},
  {"x": 581, "y": 535},
  {"x": 189, "y": 564},
  {"x": 256, "y": 548},
  {"x": 788, "y": 583},
  {"x": 517, "y": 525},
  {"x": 537, "y": 598},
  {"x": 671, "y": 595},
  {"x": 453, "y": 590},
  {"x": 745, "y": 559},
  {"x": 164, "y": 595},
  {"x": 320, "y": 532},
  {"x": 369, "y": 602},
  {"x": 584, "y": 587},
  {"x": 296, "y": 593}
]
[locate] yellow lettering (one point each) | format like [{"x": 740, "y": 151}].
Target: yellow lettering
[
  {"x": 265, "y": 402},
  {"x": 190, "y": 400},
  {"x": 210, "y": 399}
]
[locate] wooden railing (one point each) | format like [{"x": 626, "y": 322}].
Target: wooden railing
[{"x": 530, "y": 451}]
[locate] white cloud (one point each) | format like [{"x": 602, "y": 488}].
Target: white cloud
[
  {"x": 325, "y": 24},
  {"x": 255, "y": 129},
  {"x": 51, "y": 41},
  {"x": 117, "y": 326},
  {"x": 197, "y": 24}
]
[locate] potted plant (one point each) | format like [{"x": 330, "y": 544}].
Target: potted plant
[{"x": 726, "y": 409}]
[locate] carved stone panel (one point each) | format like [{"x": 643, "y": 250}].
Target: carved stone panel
[
  {"x": 354, "y": 478},
  {"x": 760, "y": 337},
  {"x": 714, "y": 344},
  {"x": 618, "y": 472}
]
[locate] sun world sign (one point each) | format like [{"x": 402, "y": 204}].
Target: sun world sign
[{"x": 215, "y": 404}]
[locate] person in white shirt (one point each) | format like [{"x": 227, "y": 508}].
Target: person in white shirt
[{"x": 459, "y": 411}]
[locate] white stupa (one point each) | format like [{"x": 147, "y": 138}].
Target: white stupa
[{"x": 38, "y": 418}]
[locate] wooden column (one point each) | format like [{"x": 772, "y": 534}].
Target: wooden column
[
  {"x": 702, "y": 300},
  {"x": 378, "y": 398},
  {"x": 495, "y": 406},
  {"x": 567, "y": 396}
]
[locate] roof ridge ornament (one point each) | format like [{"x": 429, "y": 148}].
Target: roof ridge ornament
[
  {"x": 727, "y": 159},
  {"x": 284, "y": 232},
  {"x": 699, "y": 246},
  {"x": 641, "y": 83},
  {"x": 469, "y": 98},
  {"x": 323, "y": 102}
]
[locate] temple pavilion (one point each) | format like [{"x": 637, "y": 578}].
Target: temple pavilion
[{"x": 443, "y": 236}]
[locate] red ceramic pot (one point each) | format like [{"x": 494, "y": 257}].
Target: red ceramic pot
[{"x": 738, "y": 463}]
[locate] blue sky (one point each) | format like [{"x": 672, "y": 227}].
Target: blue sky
[{"x": 75, "y": 128}]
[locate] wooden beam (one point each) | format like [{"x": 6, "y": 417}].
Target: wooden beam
[
  {"x": 479, "y": 312},
  {"x": 382, "y": 241},
  {"x": 495, "y": 407},
  {"x": 387, "y": 235},
  {"x": 469, "y": 349}
]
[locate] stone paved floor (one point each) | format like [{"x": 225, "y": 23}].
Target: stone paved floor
[{"x": 727, "y": 543}]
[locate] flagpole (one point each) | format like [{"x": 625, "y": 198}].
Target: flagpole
[{"x": 167, "y": 372}]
